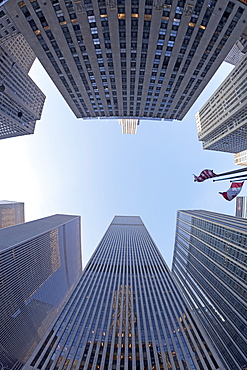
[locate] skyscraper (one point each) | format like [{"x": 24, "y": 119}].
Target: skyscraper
[
  {"x": 129, "y": 126},
  {"x": 40, "y": 261},
  {"x": 222, "y": 121},
  {"x": 238, "y": 50},
  {"x": 241, "y": 207},
  {"x": 21, "y": 101},
  {"x": 11, "y": 213},
  {"x": 13, "y": 40},
  {"x": 132, "y": 59},
  {"x": 125, "y": 312},
  {"x": 241, "y": 158},
  {"x": 210, "y": 266}
]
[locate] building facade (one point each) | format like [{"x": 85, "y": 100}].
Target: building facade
[
  {"x": 130, "y": 59},
  {"x": 241, "y": 158},
  {"x": 238, "y": 50},
  {"x": 14, "y": 41},
  {"x": 21, "y": 101},
  {"x": 125, "y": 312},
  {"x": 241, "y": 207},
  {"x": 40, "y": 263},
  {"x": 129, "y": 125},
  {"x": 210, "y": 266},
  {"x": 222, "y": 121},
  {"x": 11, "y": 213}
]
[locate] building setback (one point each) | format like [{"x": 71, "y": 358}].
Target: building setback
[
  {"x": 40, "y": 263},
  {"x": 222, "y": 121},
  {"x": 130, "y": 59},
  {"x": 11, "y": 213},
  {"x": 125, "y": 312},
  {"x": 210, "y": 266}
]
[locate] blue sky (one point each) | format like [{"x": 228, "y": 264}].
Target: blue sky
[{"x": 88, "y": 168}]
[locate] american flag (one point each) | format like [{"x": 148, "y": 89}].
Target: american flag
[
  {"x": 233, "y": 191},
  {"x": 204, "y": 175}
]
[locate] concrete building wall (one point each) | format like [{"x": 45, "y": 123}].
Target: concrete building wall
[{"x": 130, "y": 59}]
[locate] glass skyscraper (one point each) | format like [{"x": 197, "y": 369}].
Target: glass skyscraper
[
  {"x": 210, "y": 264},
  {"x": 126, "y": 312},
  {"x": 40, "y": 262}
]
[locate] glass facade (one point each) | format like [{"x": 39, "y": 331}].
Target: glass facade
[
  {"x": 125, "y": 313},
  {"x": 210, "y": 265},
  {"x": 40, "y": 262},
  {"x": 138, "y": 58}
]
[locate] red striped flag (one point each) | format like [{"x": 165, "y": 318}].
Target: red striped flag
[
  {"x": 233, "y": 191},
  {"x": 204, "y": 175}
]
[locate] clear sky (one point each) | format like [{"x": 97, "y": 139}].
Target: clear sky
[{"x": 88, "y": 168}]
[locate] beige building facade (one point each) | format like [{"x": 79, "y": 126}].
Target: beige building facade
[{"x": 130, "y": 59}]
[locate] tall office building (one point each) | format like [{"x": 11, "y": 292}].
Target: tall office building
[
  {"x": 241, "y": 207},
  {"x": 241, "y": 158},
  {"x": 129, "y": 125},
  {"x": 238, "y": 50},
  {"x": 222, "y": 121},
  {"x": 15, "y": 42},
  {"x": 130, "y": 59},
  {"x": 21, "y": 101},
  {"x": 40, "y": 263},
  {"x": 11, "y": 213},
  {"x": 210, "y": 266},
  {"x": 125, "y": 312}
]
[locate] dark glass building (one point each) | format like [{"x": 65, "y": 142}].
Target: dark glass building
[
  {"x": 210, "y": 265},
  {"x": 126, "y": 312},
  {"x": 40, "y": 262}
]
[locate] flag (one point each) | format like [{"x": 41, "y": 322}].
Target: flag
[
  {"x": 204, "y": 175},
  {"x": 233, "y": 191}
]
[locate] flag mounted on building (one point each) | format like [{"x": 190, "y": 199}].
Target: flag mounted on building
[
  {"x": 233, "y": 191},
  {"x": 204, "y": 175}
]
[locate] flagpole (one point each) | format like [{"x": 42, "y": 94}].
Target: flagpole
[
  {"x": 231, "y": 172},
  {"x": 229, "y": 178},
  {"x": 243, "y": 179}
]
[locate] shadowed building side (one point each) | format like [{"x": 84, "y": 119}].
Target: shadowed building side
[
  {"x": 40, "y": 264},
  {"x": 209, "y": 264}
]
